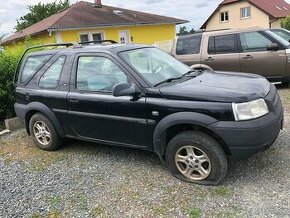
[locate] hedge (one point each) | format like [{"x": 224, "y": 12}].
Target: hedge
[{"x": 8, "y": 62}]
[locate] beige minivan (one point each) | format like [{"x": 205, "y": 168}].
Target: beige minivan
[{"x": 255, "y": 50}]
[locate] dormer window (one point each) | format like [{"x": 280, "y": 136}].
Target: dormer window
[{"x": 224, "y": 16}]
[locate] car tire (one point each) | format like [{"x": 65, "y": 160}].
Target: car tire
[
  {"x": 43, "y": 133},
  {"x": 196, "y": 157}
]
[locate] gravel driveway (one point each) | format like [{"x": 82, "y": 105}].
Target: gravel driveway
[{"x": 89, "y": 180}]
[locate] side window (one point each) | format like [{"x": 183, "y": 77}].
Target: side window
[
  {"x": 50, "y": 78},
  {"x": 188, "y": 45},
  {"x": 222, "y": 44},
  {"x": 98, "y": 74},
  {"x": 31, "y": 65},
  {"x": 254, "y": 42}
]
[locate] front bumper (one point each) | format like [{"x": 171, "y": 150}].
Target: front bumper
[{"x": 246, "y": 138}]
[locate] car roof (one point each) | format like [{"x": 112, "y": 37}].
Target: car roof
[
  {"x": 224, "y": 31},
  {"x": 104, "y": 48}
]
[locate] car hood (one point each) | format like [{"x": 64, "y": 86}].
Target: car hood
[{"x": 219, "y": 87}]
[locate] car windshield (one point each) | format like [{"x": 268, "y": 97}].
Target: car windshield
[
  {"x": 155, "y": 65},
  {"x": 285, "y": 34},
  {"x": 278, "y": 38}
]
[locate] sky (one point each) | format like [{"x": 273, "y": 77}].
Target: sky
[{"x": 196, "y": 11}]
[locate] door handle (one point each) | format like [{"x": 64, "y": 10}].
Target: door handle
[
  {"x": 209, "y": 59},
  {"x": 73, "y": 101},
  {"x": 248, "y": 57}
]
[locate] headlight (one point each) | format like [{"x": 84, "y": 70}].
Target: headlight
[{"x": 250, "y": 110}]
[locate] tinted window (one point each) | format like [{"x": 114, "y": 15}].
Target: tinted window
[
  {"x": 254, "y": 41},
  {"x": 222, "y": 44},
  {"x": 50, "y": 78},
  {"x": 31, "y": 65},
  {"x": 98, "y": 74},
  {"x": 188, "y": 45}
]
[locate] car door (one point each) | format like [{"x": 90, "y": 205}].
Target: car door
[
  {"x": 222, "y": 52},
  {"x": 95, "y": 113},
  {"x": 255, "y": 58}
]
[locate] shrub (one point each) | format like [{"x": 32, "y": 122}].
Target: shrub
[{"x": 8, "y": 61}]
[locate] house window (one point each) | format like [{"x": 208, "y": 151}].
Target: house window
[
  {"x": 97, "y": 37},
  {"x": 224, "y": 16},
  {"x": 245, "y": 13},
  {"x": 85, "y": 37}
]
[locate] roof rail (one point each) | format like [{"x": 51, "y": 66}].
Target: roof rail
[
  {"x": 74, "y": 44},
  {"x": 98, "y": 41}
]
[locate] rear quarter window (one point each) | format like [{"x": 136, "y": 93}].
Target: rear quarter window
[
  {"x": 188, "y": 45},
  {"x": 32, "y": 64}
]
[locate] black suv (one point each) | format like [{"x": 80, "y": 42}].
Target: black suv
[{"x": 138, "y": 96}]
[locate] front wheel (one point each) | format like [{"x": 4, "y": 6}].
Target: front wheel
[{"x": 196, "y": 157}]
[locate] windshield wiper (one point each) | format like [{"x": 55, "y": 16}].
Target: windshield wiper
[
  {"x": 168, "y": 80},
  {"x": 189, "y": 73}
]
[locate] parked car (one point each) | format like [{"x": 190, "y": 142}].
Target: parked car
[
  {"x": 283, "y": 33},
  {"x": 258, "y": 51},
  {"x": 140, "y": 97}
]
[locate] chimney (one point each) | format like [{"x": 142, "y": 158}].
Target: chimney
[{"x": 98, "y": 3}]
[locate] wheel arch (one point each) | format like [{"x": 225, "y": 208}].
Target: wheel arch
[
  {"x": 36, "y": 107},
  {"x": 173, "y": 124}
]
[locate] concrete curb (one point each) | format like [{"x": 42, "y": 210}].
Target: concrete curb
[{"x": 14, "y": 124}]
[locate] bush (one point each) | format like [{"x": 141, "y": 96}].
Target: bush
[{"x": 8, "y": 62}]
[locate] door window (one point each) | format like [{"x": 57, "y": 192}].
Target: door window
[
  {"x": 98, "y": 74},
  {"x": 188, "y": 44},
  {"x": 254, "y": 42},
  {"x": 50, "y": 78},
  {"x": 222, "y": 44}
]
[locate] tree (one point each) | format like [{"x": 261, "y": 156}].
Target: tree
[
  {"x": 183, "y": 31},
  {"x": 39, "y": 12},
  {"x": 285, "y": 23}
]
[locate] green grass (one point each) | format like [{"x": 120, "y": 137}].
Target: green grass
[
  {"x": 221, "y": 192},
  {"x": 97, "y": 211},
  {"x": 194, "y": 213}
]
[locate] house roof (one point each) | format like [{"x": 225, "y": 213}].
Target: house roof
[
  {"x": 274, "y": 8},
  {"x": 87, "y": 15}
]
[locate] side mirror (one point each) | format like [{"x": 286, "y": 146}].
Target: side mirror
[
  {"x": 125, "y": 89},
  {"x": 273, "y": 47}
]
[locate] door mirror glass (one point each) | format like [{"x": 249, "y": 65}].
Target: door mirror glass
[
  {"x": 125, "y": 89},
  {"x": 272, "y": 47}
]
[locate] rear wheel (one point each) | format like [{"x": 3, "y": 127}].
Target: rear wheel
[
  {"x": 43, "y": 133},
  {"x": 196, "y": 157}
]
